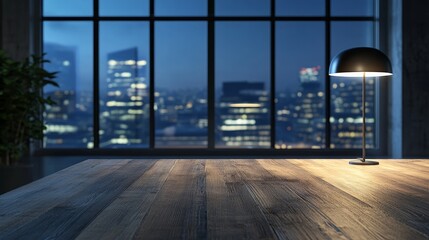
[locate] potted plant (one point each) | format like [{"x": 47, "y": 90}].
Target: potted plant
[{"x": 21, "y": 105}]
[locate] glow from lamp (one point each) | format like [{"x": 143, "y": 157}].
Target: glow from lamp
[{"x": 360, "y": 74}]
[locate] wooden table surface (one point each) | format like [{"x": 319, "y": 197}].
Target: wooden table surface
[{"x": 222, "y": 199}]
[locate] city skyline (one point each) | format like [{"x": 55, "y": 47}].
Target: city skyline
[
  {"x": 181, "y": 115},
  {"x": 243, "y": 58}
]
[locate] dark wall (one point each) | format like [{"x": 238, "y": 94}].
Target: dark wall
[
  {"x": 415, "y": 73},
  {"x": 16, "y": 27}
]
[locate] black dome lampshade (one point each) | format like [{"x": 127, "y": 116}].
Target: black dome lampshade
[
  {"x": 356, "y": 61},
  {"x": 361, "y": 62}
]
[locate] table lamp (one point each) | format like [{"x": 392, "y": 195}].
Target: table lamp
[{"x": 361, "y": 62}]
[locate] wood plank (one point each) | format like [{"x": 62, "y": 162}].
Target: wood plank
[
  {"x": 408, "y": 168},
  {"x": 222, "y": 199},
  {"x": 129, "y": 209},
  {"x": 67, "y": 219},
  {"x": 407, "y": 182},
  {"x": 422, "y": 162},
  {"x": 402, "y": 168},
  {"x": 179, "y": 210},
  {"x": 413, "y": 165},
  {"x": 232, "y": 211},
  {"x": 82, "y": 168},
  {"x": 27, "y": 203},
  {"x": 382, "y": 188},
  {"x": 351, "y": 216},
  {"x": 285, "y": 206}
]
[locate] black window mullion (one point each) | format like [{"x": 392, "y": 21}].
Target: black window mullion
[
  {"x": 152, "y": 75},
  {"x": 327, "y": 78},
  {"x": 41, "y": 46},
  {"x": 211, "y": 77},
  {"x": 96, "y": 83},
  {"x": 272, "y": 75},
  {"x": 218, "y": 18}
]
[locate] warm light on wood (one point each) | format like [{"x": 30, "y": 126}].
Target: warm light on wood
[{"x": 222, "y": 199}]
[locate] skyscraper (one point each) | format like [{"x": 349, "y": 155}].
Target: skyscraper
[
  {"x": 62, "y": 60},
  {"x": 301, "y": 114},
  {"x": 243, "y": 119},
  {"x": 181, "y": 118},
  {"x": 63, "y": 128},
  {"x": 310, "y": 109},
  {"x": 124, "y": 108}
]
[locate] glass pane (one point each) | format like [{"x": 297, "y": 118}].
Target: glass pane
[
  {"x": 242, "y": 70},
  {"x": 67, "y": 8},
  {"x": 352, "y": 8},
  {"x": 181, "y": 84},
  {"x": 181, "y": 7},
  {"x": 346, "y": 93},
  {"x": 124, "y": 8},
  {"x": 300, "y": 7},
  {"x": 68, "y": 45},
  {"x": 242, "y": 7},
  {"x": 300, "y": 85},
  {"x": 124, "y": 90}
]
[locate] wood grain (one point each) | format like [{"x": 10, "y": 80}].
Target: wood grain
[
  {"x": 286, "y": 202},
  {"x": 67, "y": 219},
  {"x": 124, "y": 215},
  {"x": 30, "y": 201},
  {"x": 389, "y": 200},
  {"x": 222, "y": 199},
  {"x": 232, "y": 212},
  {"x": 179, "y": 209}
]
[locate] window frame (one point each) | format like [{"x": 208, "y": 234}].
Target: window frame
[{"x": 378, "y": 19}]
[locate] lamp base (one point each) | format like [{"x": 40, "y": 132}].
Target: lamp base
[{"x": 359, "y": 162}]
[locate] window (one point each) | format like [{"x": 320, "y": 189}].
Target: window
[
  {"x": 300, "y": 84},
  {"x": 207, "y": 74},
  {"x": 242, "y": 70},
  {"x": 69, "y": 122},
  {"x": 124, "y": 84},
  {"x": 181, "y": 84}
]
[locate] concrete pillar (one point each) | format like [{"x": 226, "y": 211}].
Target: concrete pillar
[{"x": 394, "y": 43}]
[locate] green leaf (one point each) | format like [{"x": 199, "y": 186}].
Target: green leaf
[{"x": 22, "y": 102}]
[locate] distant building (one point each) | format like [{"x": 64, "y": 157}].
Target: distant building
[
  {"x": 310, "y": 109},
  {"x": 301, "y": 115},
  {"x": 125, "y": 105},
  {"x": 62, "y": 60},
  {"x": 243, "y": 118},
  {"x": 346, "y": 113},
  {"x": 65, "y": 125},
  {"x": 181, "y": 118}
]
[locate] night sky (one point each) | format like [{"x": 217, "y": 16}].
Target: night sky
[{"x": 242, "y": 49}]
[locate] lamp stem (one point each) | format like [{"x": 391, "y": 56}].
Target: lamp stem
[{"x": 363, "y": 118}]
